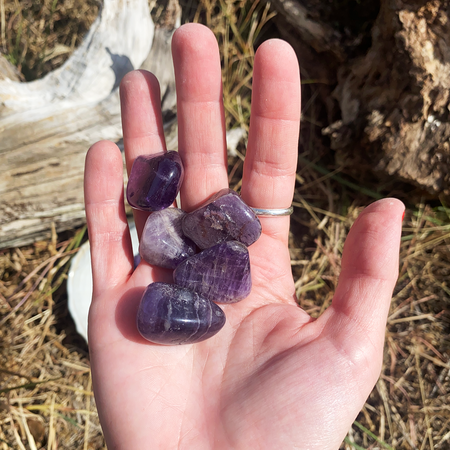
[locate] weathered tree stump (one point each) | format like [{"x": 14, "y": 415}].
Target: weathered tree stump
[{"x": 393, "y": 99}]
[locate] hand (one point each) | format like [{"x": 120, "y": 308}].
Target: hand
[{"x": 272, "y": 378}]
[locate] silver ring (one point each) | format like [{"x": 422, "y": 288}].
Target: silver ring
[{"x": 261, "y": 212}]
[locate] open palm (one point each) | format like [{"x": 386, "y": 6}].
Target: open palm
[{"x": 272, "y": 378}]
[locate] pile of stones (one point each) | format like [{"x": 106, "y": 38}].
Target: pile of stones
[{"x": 206, "y": 249}]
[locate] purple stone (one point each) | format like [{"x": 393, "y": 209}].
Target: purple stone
[
  {"x": 137, "y": 260},
  {"x": 155, "y": 181},
  {"x": 224, "y": 217},
  {"x": 171, "y": 315},
  {"x": 162, "y": 242},
  {"x": 220, "y": 273}
]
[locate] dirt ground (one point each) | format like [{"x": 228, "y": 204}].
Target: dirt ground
[{"x": 46, "y": 396}]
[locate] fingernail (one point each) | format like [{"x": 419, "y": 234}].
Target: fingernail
[{"x": 403, "y": 215}]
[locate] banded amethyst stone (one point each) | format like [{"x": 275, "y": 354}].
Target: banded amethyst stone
[
  {"x": 155, "y": 181},
  {"x": 162, "y": 242},
  {"x": 220, "y": 273},
  {"x": 224, "y": 217},
  {"x": 171, "y": 315}
]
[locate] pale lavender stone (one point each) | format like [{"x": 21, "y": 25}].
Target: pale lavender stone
[
  {"x": 162, "y": 242},
  {"x": 220, "y": 273},
  {"x": 171, "y": 315},
  {"x": 155, "y": 181},
  {"x": 224, "y": 217}
]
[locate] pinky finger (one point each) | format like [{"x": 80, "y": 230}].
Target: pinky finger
[{"x": 109, "y": 236}]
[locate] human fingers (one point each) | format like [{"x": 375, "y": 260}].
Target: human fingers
[
  {"x": 357, "y": 317},
  {"x": 109, "y": 237},
  {"x": 271, "y": 158},
  {"x": 201, "y": 123},
  {"x": 142, "y": 124}
]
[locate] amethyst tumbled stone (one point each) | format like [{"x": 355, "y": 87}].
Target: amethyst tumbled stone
[
  {"x": 155, "y": 181},
  {"x": 171, "y": 315},
  {"x": 162, "y": 242},
  {"x": 224, "y": 217},
  {"x": 220, "y": 273}
]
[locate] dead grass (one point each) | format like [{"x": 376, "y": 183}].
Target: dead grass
[
  {"x": 38, "y": 36},
  {"x": 45, "y": 387},
  {"x": 409, "y": 408}
]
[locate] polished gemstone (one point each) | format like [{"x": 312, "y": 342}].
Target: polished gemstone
[
  {"x": 220, "y": 273},
  {"x": 171, "y": 315},
  {"x": 163, "y": 242},
  {"x": 155, "y": 181},
  {"x": 224, "y": 217}
]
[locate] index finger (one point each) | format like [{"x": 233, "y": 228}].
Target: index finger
[{"x": 271, "y": 159}]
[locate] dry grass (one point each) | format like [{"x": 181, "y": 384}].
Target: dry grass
[
  {"x": 37, "y": 36},
  {"x": 44, "y": 371},
  {"x": 409, "y": 408},
  {"x": 45, "y": 387}
]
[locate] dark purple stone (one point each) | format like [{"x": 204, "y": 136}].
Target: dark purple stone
[
  {"x": 162, "y": 242},
  {"x": 224, "y": 217},
  {"x": 171, "y": 315},
  {"x": 220, "y": 273},
  {"x": 155, "y": 181}
]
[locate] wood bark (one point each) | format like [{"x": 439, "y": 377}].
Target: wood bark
[{"x": 392, "y": 101}]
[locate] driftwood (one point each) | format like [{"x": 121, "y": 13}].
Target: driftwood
[
  {"x": 392, "y": 101},
  {"x": 48, "y": 125},
  {"x": 7, "y": 70}
]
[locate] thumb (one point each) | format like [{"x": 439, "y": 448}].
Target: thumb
[{"x": 356, "y": 320}]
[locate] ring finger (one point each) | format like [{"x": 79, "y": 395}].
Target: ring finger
[{"x": 141, "y": 122}]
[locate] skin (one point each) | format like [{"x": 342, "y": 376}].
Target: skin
[{"x": 272, "y": 378}]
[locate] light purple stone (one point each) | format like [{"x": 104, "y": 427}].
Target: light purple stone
[
  {"x": 155, "y": 181},
  {"x": 224, "y": 217},
  {"x": 162, "y": 242},
  {"x": 171, "y": 315},
  {"x": 220, "y": 273}
]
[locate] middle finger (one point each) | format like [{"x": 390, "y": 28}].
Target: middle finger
[{"x": 201, "y": 122}]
